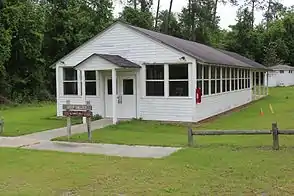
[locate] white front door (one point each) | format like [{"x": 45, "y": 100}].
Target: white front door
[{"x": 126, "y": 97}]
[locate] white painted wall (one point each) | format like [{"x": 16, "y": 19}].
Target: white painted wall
[
  {"x": 276, "y": 78},
  {"x": 120, "y": 40},
  {"x": 96, "y": 63},
  {"x": 219, "y": 103}
]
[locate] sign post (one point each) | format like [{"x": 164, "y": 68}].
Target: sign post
[{"x": 70, "y": 110}]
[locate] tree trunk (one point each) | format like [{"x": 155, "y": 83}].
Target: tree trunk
[
  {"x": 252, "y": 13},
  {"x": 193, "y": 20},
  {"x": 135, "y": 4},
  {"x": 168, "y": 17},
  {"x": 190, "y": 23},
  {"x": 215, "y": 10},
  {"x": 268, "y": 13},
  {"x": 157, "y": 14}
]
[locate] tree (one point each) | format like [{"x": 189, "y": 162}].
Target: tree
[
  {"x": 253, "y": 5},
  {"x": 173, "y": 26},
  {"x": 168, "y": 17},
  {"x": 157, "y": 14},
  {"x": 216, "y": 3},
  {"x": 271, "y": 57},
  {"x": 137, "y": 18},
  {"x": 273, "y": 9}
]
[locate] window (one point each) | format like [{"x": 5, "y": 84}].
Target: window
[
  {"x": 236, "y": 78},
  {"x": 290, "y": 71},
  {"x": 154, "y": 80},
  {"x": 109, "y": 86},
  {"x": 224, "y": 79},
  {"x": 128, "y": 86},
  {"x": 70, "y": 81},
  {"x": 281, "y": 71},
  {"x": 213, "y": 80},
  {"x": 199, "y": 76},
  {"x": 91, "y": 82},
  {"x": 233, "y": 78},
  {"x": 178, "y": 80},
  {"x": 228, "y": 79},
  {"x": 218, "y": 79}
]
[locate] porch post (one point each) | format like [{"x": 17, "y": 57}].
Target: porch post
[
  {"x": 254, "y": 85},
  {"x": 84, "y": 93},
  {"x": 267, "y": 83},
  {"x": 259, "y": 84},
  {"x": 264, "y": 89},
  {"x": 114, "y": 96}
]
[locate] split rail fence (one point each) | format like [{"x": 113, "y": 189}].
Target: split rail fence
[{"x": 275, "y": 132}]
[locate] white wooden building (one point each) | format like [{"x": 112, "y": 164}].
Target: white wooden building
[
  {"x": 281, "y": 75},
  {"x": 156, "y": 76}
]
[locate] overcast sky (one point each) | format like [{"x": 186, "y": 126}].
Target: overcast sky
[{"x": 227, "y": 13}]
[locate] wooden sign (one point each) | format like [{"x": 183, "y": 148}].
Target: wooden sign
[
  {"x": 78, "y": 113},
  {"x": 70, "y": 110},
  {"x": 76, "y": 107}
]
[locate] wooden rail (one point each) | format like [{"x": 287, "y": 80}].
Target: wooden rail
[{"x": 275, "y": 132}]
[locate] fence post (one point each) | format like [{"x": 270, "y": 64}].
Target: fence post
[
  {"x": 1, "y": 125},
  {"x": 190, "y": 137},
  {"x": 275, "y": 133},
  {"x": 68, "y": 122}
]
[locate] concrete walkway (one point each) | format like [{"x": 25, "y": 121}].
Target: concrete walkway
[
  {"x": 41, "y": 141},
  {"x": 105, "y": 149}
]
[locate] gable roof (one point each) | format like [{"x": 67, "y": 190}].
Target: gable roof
[
  {"x": 201, "y": 52},
  {"x": 282, "y": 67},
  {"x": 244, "y": 59},
  {"x": 115, "y": 59}
]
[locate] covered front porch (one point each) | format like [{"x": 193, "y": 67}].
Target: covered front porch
[
  {"x": 259, "y": 84},
  {"x": 109, "y": 68}
]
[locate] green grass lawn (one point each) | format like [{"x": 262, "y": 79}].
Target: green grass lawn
[
  {"x": 213, "y": 170},
  {"x": 25, "y": 119},
  {"x": 217, "y": 165},
  {"x": 156, "y": 133}
]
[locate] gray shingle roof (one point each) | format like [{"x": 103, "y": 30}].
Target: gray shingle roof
[
  {"x": 245, "y": 59},
  {"x": 282, "y": 67},
  {"x": 115, "y": 59},
  {"x": 199, "y": 51}
]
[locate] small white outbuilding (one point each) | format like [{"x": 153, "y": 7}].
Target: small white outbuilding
[
  {"x": 281, "y": 75},
  {"x": 130, "y": 72}
]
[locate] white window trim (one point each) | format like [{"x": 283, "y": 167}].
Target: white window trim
[
  {"x": 154, "y": 80},
  {"x": 69, "y": 81},
  {"x": 177, "y": 80},
  {"x": 96, "y": 81}
]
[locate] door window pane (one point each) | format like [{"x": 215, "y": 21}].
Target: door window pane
[
  {"x": 109, "y": 86},
  {"x": 128, "y": 86}
]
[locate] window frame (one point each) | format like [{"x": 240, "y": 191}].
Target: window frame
[
  {"x": 178, "y": 80},
  {"x": 92, "y": 81},
  {"x": 154, "y": 80},
  {"x": 69, "y": 81}
]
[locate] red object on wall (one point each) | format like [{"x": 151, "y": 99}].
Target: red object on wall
[{"x": 198, "y": 95}]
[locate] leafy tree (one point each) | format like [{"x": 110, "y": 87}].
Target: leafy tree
[{"x": 137, "y": 18}]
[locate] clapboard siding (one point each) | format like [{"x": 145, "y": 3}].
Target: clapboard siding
[
  {"x": 166, "y": 109},
  {"x": 120, "y": 40},
  {"x": 275, "y": 78},
  {"x": 98, "y": 107},
  {"x": 216, "y": 104}
]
